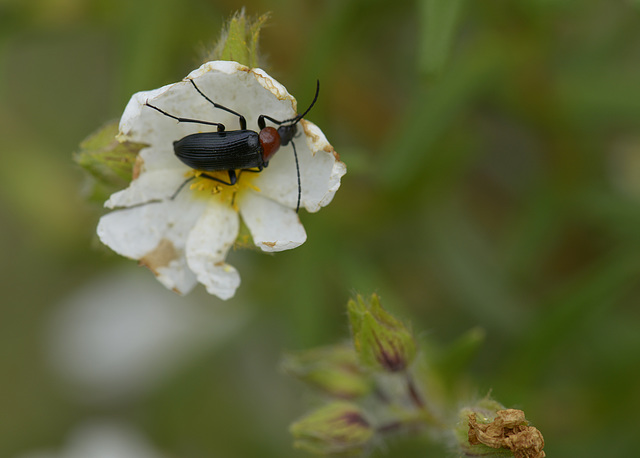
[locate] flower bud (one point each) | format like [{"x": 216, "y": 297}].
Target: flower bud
[
  {"x": 381, "y": 341},
  {"x": 332, "y": 369},
  {"x": 336, "y": 428}
]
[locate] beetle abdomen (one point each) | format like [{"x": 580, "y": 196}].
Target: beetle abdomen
[{"x": 232, "y": 150}]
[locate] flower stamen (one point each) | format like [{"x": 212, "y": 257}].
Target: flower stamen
[{"x": 205, "y": 185}]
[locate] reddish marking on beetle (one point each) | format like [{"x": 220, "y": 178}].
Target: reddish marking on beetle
[{"x": 270, "y": 141}]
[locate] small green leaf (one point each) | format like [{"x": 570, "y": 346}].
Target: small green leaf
[
  {"x": 439, "y": 22},
  {"x": 456, "y": 358}
]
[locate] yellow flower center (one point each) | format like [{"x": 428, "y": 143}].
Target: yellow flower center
[{"x": 205, "y": 187}]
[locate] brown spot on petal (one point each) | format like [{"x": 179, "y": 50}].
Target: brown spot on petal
[
  {"x": 329, "y": 149},
  {"x": 315, "y": 139},
  {"x": 270, "y": 244},
  {"x": 160, "y": 256},
  {"x": 509, "y": 430},
  {"x": 137, "y": 167},
  {"x": 267, "y": 83}
]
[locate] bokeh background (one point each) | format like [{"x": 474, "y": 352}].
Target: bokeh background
[{"x": 493, "y": 153}]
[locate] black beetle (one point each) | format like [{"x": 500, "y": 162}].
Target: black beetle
[{"x": 233, "y": 150}]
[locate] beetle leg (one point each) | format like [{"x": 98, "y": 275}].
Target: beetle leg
[
  {"x": 158, "y": 201},
  {"x": 179, "y": 119},
  {"x": 261, "y": 119},
  {"x": 184, "y": 183},
  {"x": 253, "y": 170},
  {"x": 243, "y": 121},
  {"x": 262, "y": 124},
  {"x": 232, "y": 178}
]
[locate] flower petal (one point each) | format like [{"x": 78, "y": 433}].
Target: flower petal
[
  {"x": 320, "y": 172},
  {"x": 150, "y": 186},
  {"x": 142, "y": 124},
  {"x": 207, "y": 247},
  {"x": 155, "y": 234},
  {"x": 274, "y": 227}
]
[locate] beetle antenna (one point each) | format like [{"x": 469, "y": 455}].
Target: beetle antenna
[
  {"x": 297, "y": 118},
  {"x": 295, "y": 155}
]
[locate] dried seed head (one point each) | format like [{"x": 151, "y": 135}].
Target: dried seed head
[{"x": 508, "y": 430}]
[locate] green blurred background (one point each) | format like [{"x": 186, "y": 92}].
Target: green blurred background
[{"x": 493, "y": 153}]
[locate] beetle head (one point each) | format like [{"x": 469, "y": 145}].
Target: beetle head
[{"x": 287, "y": 133}]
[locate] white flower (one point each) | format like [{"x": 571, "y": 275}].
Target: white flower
[
  {"x": 116, "y": 338},
  {"x": 102, "y": 439},
  {"x": 185, "y": 240}
]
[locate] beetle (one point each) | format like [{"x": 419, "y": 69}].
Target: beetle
[{"x": 243, "y": 149}]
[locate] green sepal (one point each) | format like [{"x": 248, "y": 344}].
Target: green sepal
[
  {"x": 239, "y": 40},
  {"x": 338, "y": 429},
  {"x": 333, "y": 370},
  {"x": 244, "y": 240},
  {"x": 109, "y": 161}
]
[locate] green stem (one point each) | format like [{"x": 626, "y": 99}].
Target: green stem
[
  {"x": 427, "y": 416},
  {"x": 413, "y": 392}
]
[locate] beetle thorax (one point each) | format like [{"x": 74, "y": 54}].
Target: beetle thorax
[{"x": 270, "y": 141}]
